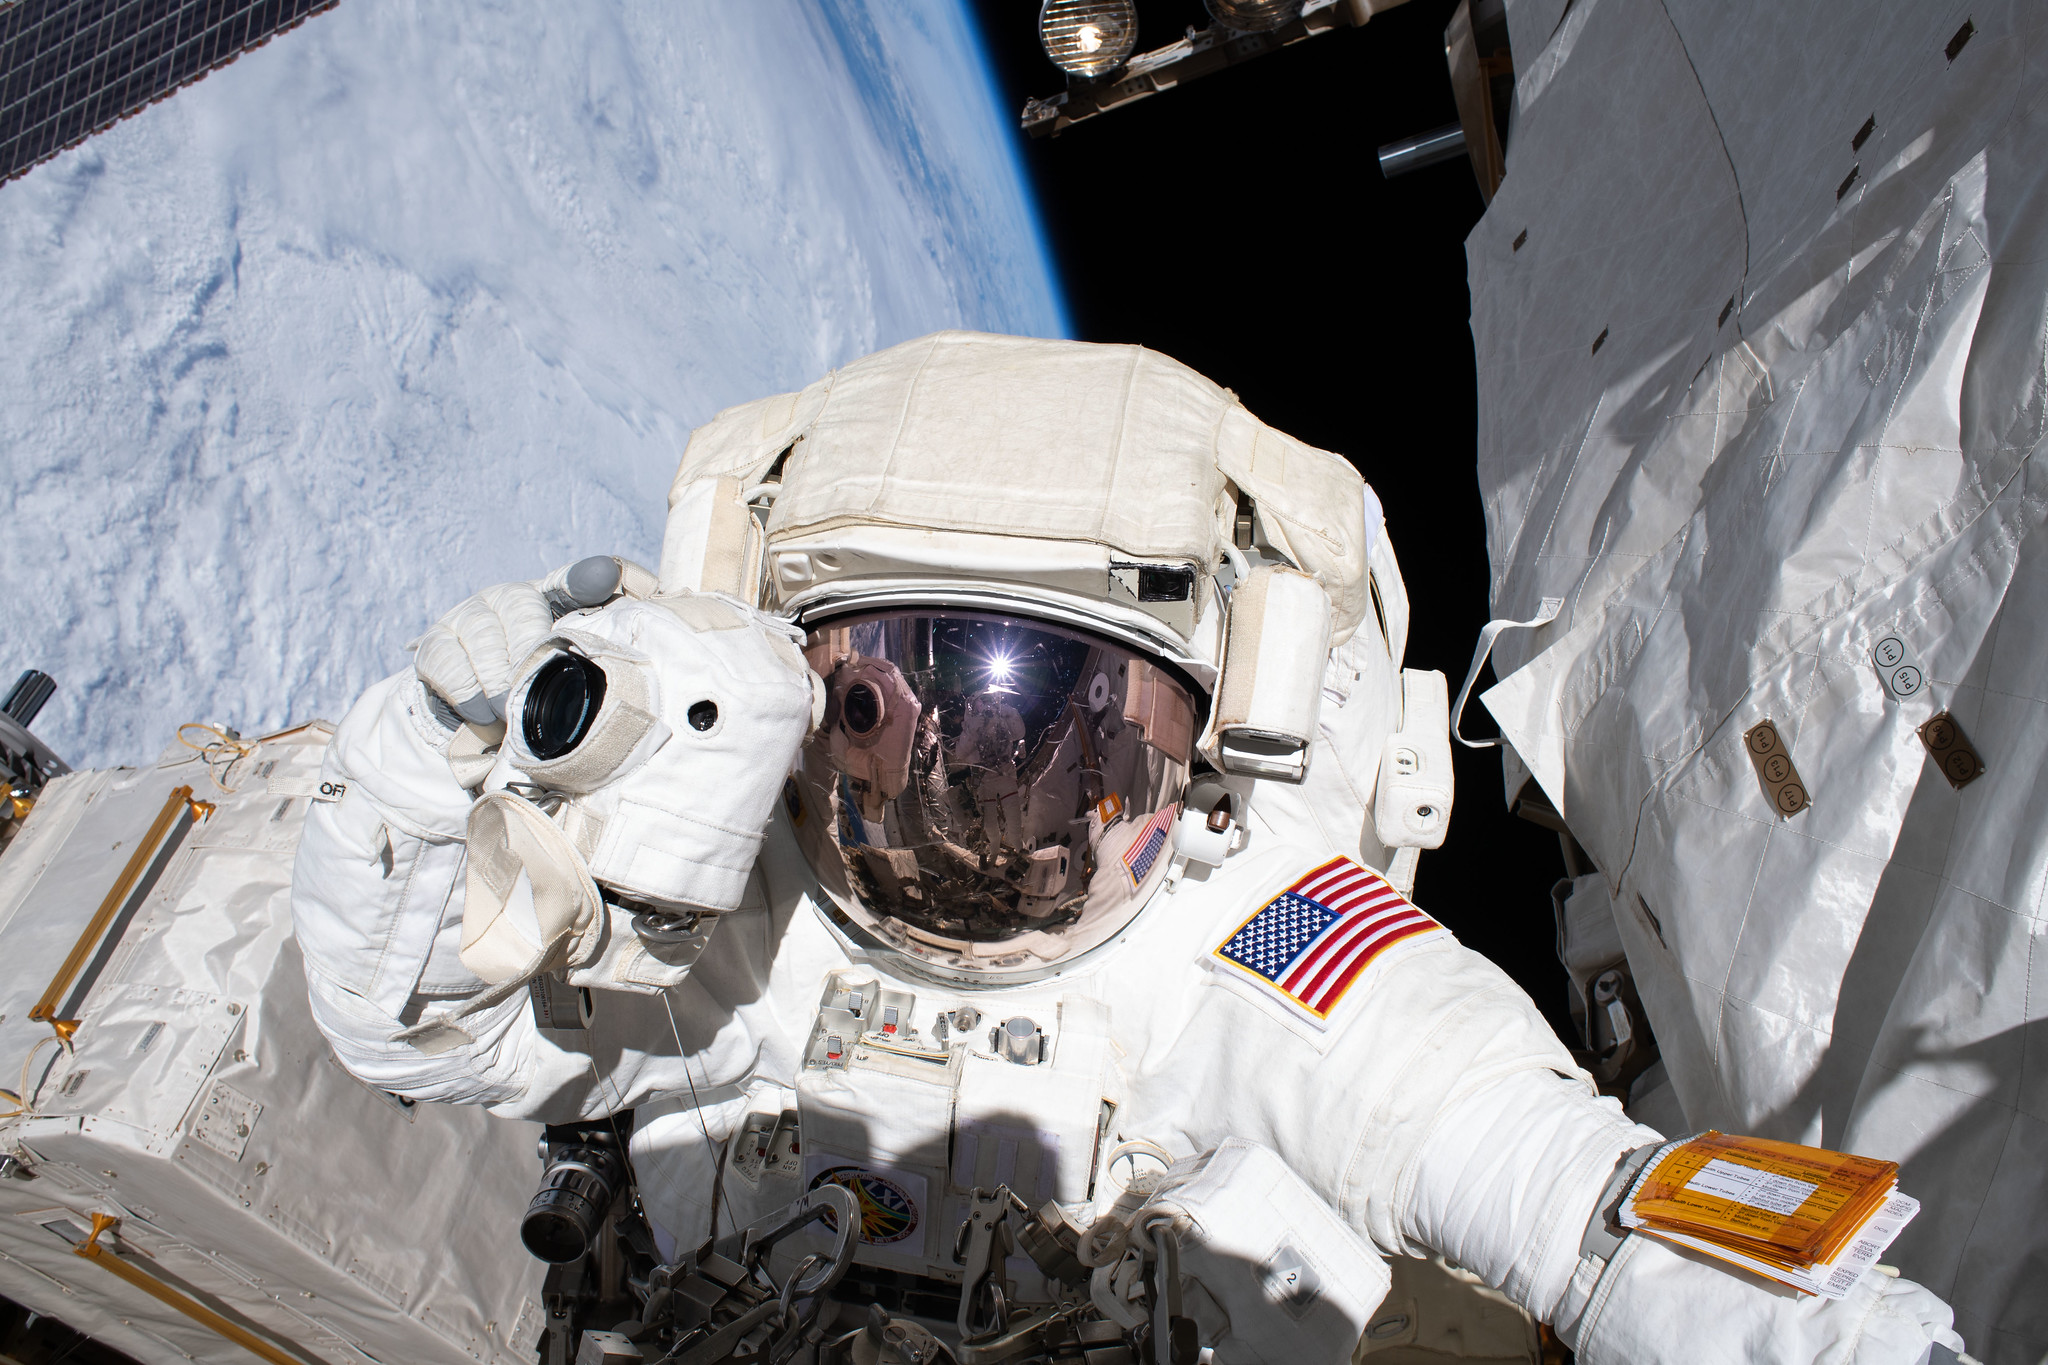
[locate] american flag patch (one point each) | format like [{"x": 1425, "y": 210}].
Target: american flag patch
[
  {"x": 1144, "y": 849},
  {"x": 1310, "y": 942}
]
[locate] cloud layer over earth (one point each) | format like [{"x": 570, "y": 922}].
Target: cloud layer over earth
[{"x": 422, "y": 297}]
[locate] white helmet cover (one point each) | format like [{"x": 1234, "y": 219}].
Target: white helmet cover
[{"x": 1037, "y": 443}]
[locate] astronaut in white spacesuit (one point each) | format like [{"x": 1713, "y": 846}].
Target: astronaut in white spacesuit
[{"x": 1084, "y": 820}]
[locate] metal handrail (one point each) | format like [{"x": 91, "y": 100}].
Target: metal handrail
[
  {"x": 45, "y": 1009},
  {"x": 149, "y": 1284}
]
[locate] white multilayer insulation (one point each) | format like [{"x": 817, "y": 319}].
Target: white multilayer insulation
[{"x": 1759, "y": 315}]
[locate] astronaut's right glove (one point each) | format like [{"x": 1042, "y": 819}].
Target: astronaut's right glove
[
  {"x": 1514, "y": 1184},
  {"x": 467, "y": 658},
  {"x": 1653, "y": 1302}
]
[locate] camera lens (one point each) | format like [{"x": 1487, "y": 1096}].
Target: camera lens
[
  {"x": 862, "y": 709},
  {"x": 570, "y": 1205},
  {"x": 561, "y": 703}
]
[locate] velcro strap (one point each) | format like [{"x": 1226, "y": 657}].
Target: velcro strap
[
  {"x": 1604, "y": 1230},
  {"x": 315, "y": 787}
]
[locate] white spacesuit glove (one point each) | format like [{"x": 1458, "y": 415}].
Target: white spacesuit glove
[
  {"x": 467, "y": 658},
  {"x": 1515, "y": 1183},
  {"x": 1653, "y": 1302},
  {"x": 424, "y": 912}
]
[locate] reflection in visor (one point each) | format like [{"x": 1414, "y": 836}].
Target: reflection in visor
[{"x": 993, "y": 792}]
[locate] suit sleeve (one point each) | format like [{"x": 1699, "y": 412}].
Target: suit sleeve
[{"x": 1435, "y": 1110}]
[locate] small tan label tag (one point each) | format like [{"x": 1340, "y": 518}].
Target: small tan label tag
[
  {"x": 1773, "y": 762},
  {"x": 1951, "y": 750},
  {"x": 1902, "y": 676}
]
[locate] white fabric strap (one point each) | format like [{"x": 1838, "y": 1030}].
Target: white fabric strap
[
  {"x": 1547, "y": 613},
  {"x": 441, "y": 1031},
  {"x": 528, "y": 904},
  {"x": 312, "y": 786},
  {"x": 1603, "y": 1230}
]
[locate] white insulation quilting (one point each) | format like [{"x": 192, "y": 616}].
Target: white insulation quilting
[
  {"x": 1759, "y": 317},
  {"x": 202, "y": 1107}
]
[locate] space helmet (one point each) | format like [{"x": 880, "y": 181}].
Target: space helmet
[
  {"x": 990, "y": 792},
  {"x": 1040, "y": 581}
]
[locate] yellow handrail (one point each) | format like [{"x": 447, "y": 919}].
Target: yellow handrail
[
  {"x": 149, "y": 1284},
  {"x": 45, "y": 1009}
]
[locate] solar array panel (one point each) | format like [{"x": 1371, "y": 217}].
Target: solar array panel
[{"x": 69, "y": 68}]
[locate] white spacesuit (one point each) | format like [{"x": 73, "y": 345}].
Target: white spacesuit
[{"x": 1092, "y": 863}]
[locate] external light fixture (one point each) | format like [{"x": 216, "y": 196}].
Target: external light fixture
[
  {"x": 1089, "y": 37},
  {"x": 1253, "y": 16}
]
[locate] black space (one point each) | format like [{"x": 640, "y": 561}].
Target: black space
[
  {"x": 28, "y": 1338},
  {"x": 1241, "y": 224}
]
